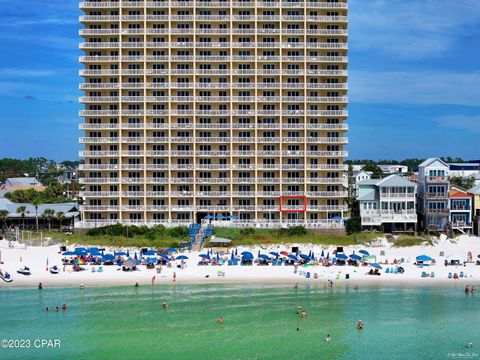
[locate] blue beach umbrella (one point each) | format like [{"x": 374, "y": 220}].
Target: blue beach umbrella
[
  {"x": 292, "y": 257},
  {"x": 276, "y": 254},
  {"x": 328, "y": 255},
  {"x": 182, "y": 257},
  {"x": 355, "y": 257},
  {"x": 377, "y": 266},
  {"x": 108, "y": 257},
  {"x": 68, "y": 253},
  {"x": 120, "y": 253},
  {"x": 205, "y": 256},
  {"x": 163, "y": 256},
  {"x": 82, "y": 249},
  {"x": 150, "y": 252},
  {"x": 208, "y": 217},
  {"x": 96, "y": 253},
  {"x": 247, "y": 255},
  {"x": 135, "y": 257},
  {"x": 128, "y": 253},
  {"x": 171, "y": 250},
  {"x": 264, "y": 257},
  {"x": 93, "y": 249},
  {"x": 151, "y": 260},
  {"x": 424, "y": 258},
  {"x": 322, "y": 254},
  {"x": 342, "y": 256},
  {"x": 364, "y": 252},
  {"x": 232, "y": 217},
  {"x": 305, "y": 257}
]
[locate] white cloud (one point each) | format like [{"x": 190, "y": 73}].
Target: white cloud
[
  {"x": 411, "y": 28},
  {"x": 415, "y": 88},
  {"x": 461, "y": 122}
]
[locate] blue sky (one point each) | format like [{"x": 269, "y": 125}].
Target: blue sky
[{"x": 414, "y": 79}]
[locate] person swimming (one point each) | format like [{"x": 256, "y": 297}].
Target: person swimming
[
  {"x": 467, "y": 289},
  {"x": 136, "y": 284},
  {"x": 47, "y": 309},
  {"x": 82, "y": 286},
  {"x": 56, "y": 309},
  {"x": 360, "y": 325},
  {"x": 220, "y": 320},
  {"x": 64, "y": 307},
  {"x": 469, "y": 345},
  {"x": 296, "y": 286},
  {"x": 165, "y": 305},
  {"x": 299, "y": 310},
  {"x": 327, "y": 338},
  {"x": 303, "y": 314},
  {"x": 473, "y": 291}
]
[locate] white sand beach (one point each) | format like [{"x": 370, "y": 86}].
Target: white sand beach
[{"x": 36, "y": 259}]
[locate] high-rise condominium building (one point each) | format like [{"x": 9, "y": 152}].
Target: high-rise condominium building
[{"x": 225, "y": 109}]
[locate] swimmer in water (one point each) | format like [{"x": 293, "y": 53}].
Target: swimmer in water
[
  {"x": 56, "y": 309},
  {"x": 303, "y": 314},
  {"x": 136, "y": 284},
  {"x": 299, "y": 310},
  {"x": 64, "y": 307},
  {"x": 298, "y": 329},
  {"x": 220, "y": 320},
  {"x": 360, "y": 325},
  {"x": 296, "y": 286},
  {"x": 82, "y": 286},
  {"x": 469, "y": 345},
  {"x": 40, "y": 286},
  {"x": 327, "y": 338},
  {"x": 473, "y": 291},
  {"x": 165, "y": 305},
  {"x": 47, "y": 309},
  {"x": 467, "y": 289}
]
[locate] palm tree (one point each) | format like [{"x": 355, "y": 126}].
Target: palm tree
[
  {"x": 22, "y": 210},
  {"x": 60, "y": 216},
  {"x": 48, "y": 214},
  {"x": 35, "y": 203},
  {"x": 3, "y": 216}
]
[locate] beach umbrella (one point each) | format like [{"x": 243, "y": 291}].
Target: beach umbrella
[
  {"x": 424, "y": 258},
  {"x": 82, "y": 249},
  {"x": 163, "y": 256},
  {"x": 80, "y": 252},
  {"x": 102, "y": 252},
  {"x": 205, "y": 256},
  {"x": 236, "y": 252},
  {"x": 364, "y": 252},
  {"x": 264, "y": 257},
  {"x": 258, "y": 253},
  {"x": 322, "y": 254},
  {"x": 151, "y": 260},
  {"x": 108, "y": 257},
  {"x": 208, "y": 217},
  {"x": 181, "y": 257},
  {"x": 218, "y": 256},
  {"x": 342, "y": 256},
  {"x": 68, "y": 253},
  {"x": 247, "y": 255},
  {"x": 305, "y": 257},
  {"x": 276, "y": 254},
  {"x": 313, "y": 255},
  {"x": 284, "y": 253},
  {"x": 232, "y": 217},
  {"x": 150, "y": 253},
  {"x": 328, "y": 255},
  {"x": 128, "y": 252},
  {"x": 96, "y": 253},
  {"x": 292, "y": 257},
  {"x": 220, "y": 217},
  {"x": 135, "y": 256},
  {"x": 355, "y": 257},
  {"x": 121, "y": 253},
  {"x": 171, "y": 250},
  {"x": 233, "y": 256},
  {"x": 376, "y": 266}
]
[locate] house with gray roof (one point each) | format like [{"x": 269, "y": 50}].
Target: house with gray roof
[{"x": 388, "y": 204}]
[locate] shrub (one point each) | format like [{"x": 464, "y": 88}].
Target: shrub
[
  {"x": 178, "y": 232},
  {"x": 296, "y": 231},
  {"x": 247, "y": 231},
  {"x": 353, "y": 225}
]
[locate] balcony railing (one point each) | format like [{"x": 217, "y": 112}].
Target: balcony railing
[{"x": 126, "y": 18}]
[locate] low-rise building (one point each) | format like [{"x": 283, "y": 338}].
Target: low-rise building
[
  {"x": 22, "y": 183},
  {"x": 388, "y": 204},
  {"x": 464, "y": 170},
  {"x": 460, "y": 209},
  {"x": 394, "y": 169},
  {"x": 475, "y": 192},
  {"x": 357, "y": 177},
  {"x": 433, "y": 195}
]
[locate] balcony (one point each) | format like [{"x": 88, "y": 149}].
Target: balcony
[
  {"x": 437, "y": 179},
  {"x": 437, "y": 195}
]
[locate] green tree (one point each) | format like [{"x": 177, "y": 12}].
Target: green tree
[
  {"x": 377, "y": 173},
  {"x": 35, "y": 204},
  {"x": 48, "y": 214},
  {"x": 60, "y": 216},
  {"x": 353, "y": 225},
  {"x": 3, "y": 216},
  {"x": 22, "y": 211}
]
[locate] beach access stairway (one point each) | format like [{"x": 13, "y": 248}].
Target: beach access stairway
[{"x": 199, "y": 234}]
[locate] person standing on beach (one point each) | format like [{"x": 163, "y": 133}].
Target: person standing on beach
[
  {"x": 473, "y": 291},
  {"x": 467, "y": 289},
  {"x": 174, "y": 276},
  {"x": 153, "y": 280},
  {"x": 40, "y": 286}
]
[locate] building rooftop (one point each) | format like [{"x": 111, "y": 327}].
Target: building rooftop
[
  {"x": 392, "y": 180},
  {"x": 22, "y": 181},
  {"x": 431, "y": 161},
  {"x": 69, "y": 209}
]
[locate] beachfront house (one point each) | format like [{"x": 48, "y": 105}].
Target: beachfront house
[
  {"x": 357, "y": 178},
  {"x": 22, "y": 183},
  {"x": 475, "y": 192},
  {"x": 460, "y": 210},
  {"x": 393, "y": 169},
  {"x": 433, "y": 195},
  {"x": 388, "y": 204}
]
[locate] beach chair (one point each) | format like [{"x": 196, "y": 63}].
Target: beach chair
[
  {"x": 392, "y": 270},
  {"x": 396, "y": 270},
  {"x": 432, "y": 274},
  {"x": 387, "y": 270},
  {"x": 315, "y": 276},
  {"x": 461, "y": 274},
  {"x": 100, "y": 268},
  {"x": 450, "y": 275},
  {"x": 308, "y": 275},
  {"x": 424, "y": 274},
  {"x": 93, "y": 269}
]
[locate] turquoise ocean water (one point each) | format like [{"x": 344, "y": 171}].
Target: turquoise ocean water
[{"x": 260, "y": 322}]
